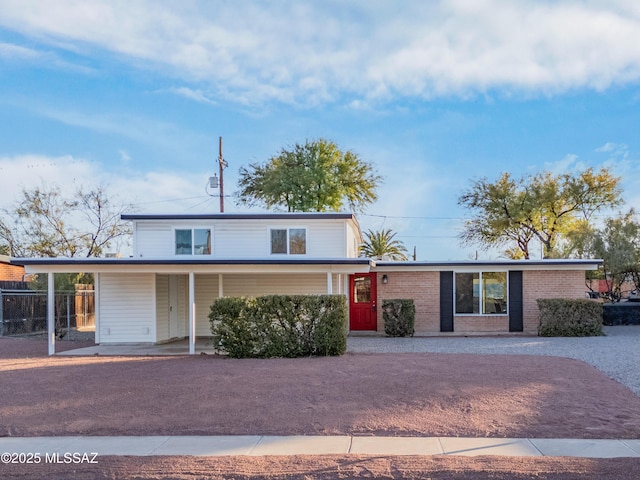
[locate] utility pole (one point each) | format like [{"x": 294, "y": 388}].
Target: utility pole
[{"x": 222, "y": 165}]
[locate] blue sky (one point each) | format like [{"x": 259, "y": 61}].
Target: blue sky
[{"x": 434, "y": 94}]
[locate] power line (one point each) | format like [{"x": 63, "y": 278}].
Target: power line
[{"x": 409, "y": 217}]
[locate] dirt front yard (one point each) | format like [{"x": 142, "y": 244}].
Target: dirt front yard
[{"x": 376, "y": 394}]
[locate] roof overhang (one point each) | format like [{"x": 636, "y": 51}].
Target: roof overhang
[
  {"x": 483, "y": 265},
  {"x": 140, "y": 265},
  {"x": 242, "y": 216}
]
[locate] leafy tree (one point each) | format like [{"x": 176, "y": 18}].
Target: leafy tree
[
  {"x": 381, "y": 245},
  {"x": 314, "y": 177},
  {"x": 617, "y": 243},
  {"x": 513, "y": 212},
  {"x": 45, "y": 223}
]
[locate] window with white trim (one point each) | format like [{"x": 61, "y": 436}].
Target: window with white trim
[
  {"x": 193, "y": 241},
  {"x": 481, "y": 293},
  {"x": 288, "y": 241}
]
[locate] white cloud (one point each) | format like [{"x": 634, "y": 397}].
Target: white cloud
[
  {"x": 192, "y": 94},
  {"x": 607, "y": 147},
  {"x": 617, "y": 151},
  {"x": 568, "y": 164},
  {"x": 124, "y": 156},
  {"x": 321, "y": 51},
  {"x": 154, "y": 191},
  {"x": 11, "y": 51}
]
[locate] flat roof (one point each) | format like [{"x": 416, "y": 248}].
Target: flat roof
[
  {"x": 242, "y": 216},
  {"x": 477, "y": 265},
  {"x": 459, "y": 263},
  {"x": 191, "y": 261}
]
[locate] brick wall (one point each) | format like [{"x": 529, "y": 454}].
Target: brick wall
[
  {"x": 422, "y": 287},
  {"x": 12, "y": 273},
  {"x": 548, "y": 284},
  {"x": 481, "y": 324}
]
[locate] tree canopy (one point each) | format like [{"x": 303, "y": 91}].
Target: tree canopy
[
  {"x": 46, "y": 223},
  {"x": 512, "y": 212},
  {"x": 617, "y": 243},
  {"x": 313, "y": 177},
  {"x": 382, "y": 245}
]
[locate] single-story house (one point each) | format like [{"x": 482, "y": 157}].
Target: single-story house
[{"x": 182, "y": 263}]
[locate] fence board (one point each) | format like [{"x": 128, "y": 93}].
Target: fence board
[{"x": 25, "y": 311}]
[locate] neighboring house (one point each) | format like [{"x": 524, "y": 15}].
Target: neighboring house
[
  {"x": 182, "y": 263},
  {"x": 9, "y": 272}
]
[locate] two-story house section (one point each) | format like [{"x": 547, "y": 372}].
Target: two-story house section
[{"x": 182, "y": 263}]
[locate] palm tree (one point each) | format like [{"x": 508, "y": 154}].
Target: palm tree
[{"x": 381, "y": 245}]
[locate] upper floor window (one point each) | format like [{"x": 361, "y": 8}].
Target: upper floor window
[
  {"x": 193, "y": 241},
  {"x": 483, "y": 293},
  {"x": 292, "y": 241}
]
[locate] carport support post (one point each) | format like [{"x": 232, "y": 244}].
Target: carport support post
[
  {"x": 192, "y": 314},
  {"x": 51, "y": 320},
  {"x": 329, "y": 283}
]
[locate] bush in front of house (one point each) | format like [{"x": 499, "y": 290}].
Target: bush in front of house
[
  {"x": 399, "y": 317},
  {"x": 569, "y": 318},
  {"x": 280, "y": 325}
]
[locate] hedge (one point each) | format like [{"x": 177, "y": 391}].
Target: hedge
[
  {"x": 569, "y": 318},
  {"x": 399, "y": 317},
  {"x": 280, "y": 325}
]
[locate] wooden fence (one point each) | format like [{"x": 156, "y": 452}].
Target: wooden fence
[{"x": 24, "y": 311}]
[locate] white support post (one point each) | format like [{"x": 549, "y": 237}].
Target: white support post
[
  {"x": 51, "y": 312},
  {"x": 96, "y": 302},
  {"x": 329, "y": 283},
  {"x": 220, "y": 286},
  {"x": 192, "y": 314}
]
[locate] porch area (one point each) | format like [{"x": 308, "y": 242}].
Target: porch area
[{"x": 203, "y": 346}]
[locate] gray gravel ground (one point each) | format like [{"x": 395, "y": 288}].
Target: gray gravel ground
[{"x": 617, "y": 354}]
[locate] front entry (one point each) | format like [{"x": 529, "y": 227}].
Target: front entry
[{"x": 362, "y": 302}]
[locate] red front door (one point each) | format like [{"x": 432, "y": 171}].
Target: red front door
[{"x": 362, "y": 302}]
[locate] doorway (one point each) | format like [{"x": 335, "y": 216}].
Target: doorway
[{"x": 362, "y": 302}]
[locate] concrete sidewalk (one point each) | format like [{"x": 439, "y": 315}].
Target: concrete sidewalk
[{"x": 257, "y": 445}]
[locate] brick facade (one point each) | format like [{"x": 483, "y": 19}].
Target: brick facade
[
  {"x": 424, "y": 288},
  {"x": 548, "y": 284},
  {"x": 11, "y": 273}
]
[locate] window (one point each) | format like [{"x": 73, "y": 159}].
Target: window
[
  {"x": 362, "y": 290},
  {"x": 193, "y": 241},
  {"x": 292, "y": 241},
  {"x": 482, "y": 293}
]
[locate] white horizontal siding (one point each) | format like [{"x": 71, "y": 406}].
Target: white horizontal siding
[
  {"x": 153, "y": 240},
  {"x": 162, "y": 308},
  {"x": 127, "y": 308},
  {"x": 248, "y": 238},
  {"x": 352, "y": 242},
  {"x": 274, "y": 284},
  {"x": 206, "y": 290},
  {"x": 241, "y": 239},
  {"x": 326, "y": 239},
  {"x": 183, "y": 305}
]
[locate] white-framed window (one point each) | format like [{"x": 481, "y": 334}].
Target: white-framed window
[
  {"x": 481, "y": 293},
  {"x": 192, "y": 241},
  {"x": 288, "y": 241}
]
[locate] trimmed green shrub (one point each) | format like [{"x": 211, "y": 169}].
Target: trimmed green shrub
[
  {"x": 280, "y": 325},
  {"x": 569, "y": 318},
  {"x": 399, "y": 317}
]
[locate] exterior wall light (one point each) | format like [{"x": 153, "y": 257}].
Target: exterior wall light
[{"x": 385, "y": 279}]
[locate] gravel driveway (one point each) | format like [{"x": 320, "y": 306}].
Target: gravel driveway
[{"x": 615, "y": 354}]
